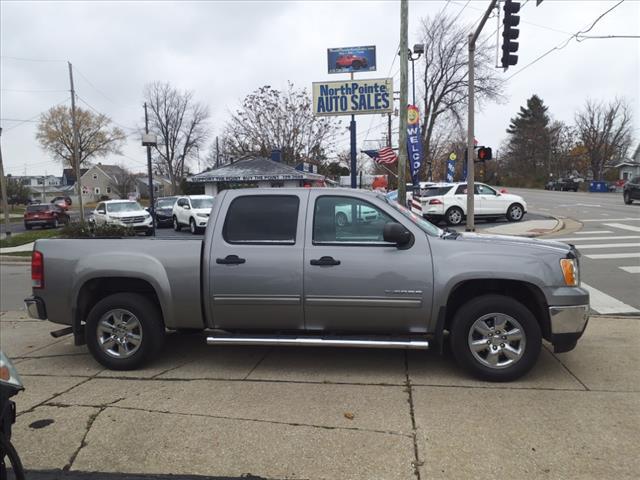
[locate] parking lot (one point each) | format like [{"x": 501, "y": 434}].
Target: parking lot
[{"x": 326, "y": 413}]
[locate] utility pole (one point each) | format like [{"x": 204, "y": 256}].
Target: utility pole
[
  {"x": 217, "y": 153},
  {"x": 389, "y": 130},
  {"x": 151, "y": 202},
  {"x": 402, "y": 142},
  {"x": 353, "y": 165},
  {"x": 470, "y": 121},
  {"x": 76, "y": 146},
  {"x": 5, "y": 196}
]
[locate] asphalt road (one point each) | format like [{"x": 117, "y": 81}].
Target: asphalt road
[{"x": 608, "y": 239}]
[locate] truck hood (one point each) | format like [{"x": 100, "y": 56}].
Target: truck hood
[{"x": 509, "y": 240}]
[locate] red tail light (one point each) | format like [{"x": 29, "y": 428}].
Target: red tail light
[
  {"x": 435, "y": 201},
  {"x": 37, "y": 270}
]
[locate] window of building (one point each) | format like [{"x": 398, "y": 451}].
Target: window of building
[
  {"x": 96, "y": 190},
  {"x": 262, "y": 219},
  {"x": 108, "y": 189},
  {"x": 348, "y": 220},
  {"x": 95, "y": 176}
]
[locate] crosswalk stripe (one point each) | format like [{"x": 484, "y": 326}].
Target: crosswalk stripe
[
  {"x": 608, "y": 237},
  {"x": 606, "y": 304},
  {"x": 633, "y": 219},
  {"x": 622, "y": 226},
  {"x": 589, "y": 232},
  {"x": 608, "y": 256},
  {"x": 631, "y": 269},
  {"x": 608, "y": 245}
]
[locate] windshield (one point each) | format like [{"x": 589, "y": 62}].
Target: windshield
[
  {"x": 201, "y": 202},
  {"x": 37, "y": 208},
  {"x": 420, "y": 222},
  {"x": 434, "y": 191},
  {"x": 123, "y": 207},
  {"x": 166, "y": 202}
]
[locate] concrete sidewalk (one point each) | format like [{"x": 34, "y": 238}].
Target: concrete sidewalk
[{"x": 327, "y": 413}]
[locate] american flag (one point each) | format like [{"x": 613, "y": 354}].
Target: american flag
[{"x": 385, "y": 155}]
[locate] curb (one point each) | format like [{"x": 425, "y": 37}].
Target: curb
[
  {"x": 559, "y": 226},
  {"x": 9, "y": 260}
]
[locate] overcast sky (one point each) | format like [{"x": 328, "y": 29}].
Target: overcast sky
[{"x": 224, "y": 50}]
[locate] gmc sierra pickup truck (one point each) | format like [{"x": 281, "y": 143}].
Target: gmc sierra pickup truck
[{"x": 284, "y": 267}]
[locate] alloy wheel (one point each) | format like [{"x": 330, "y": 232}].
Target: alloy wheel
[
  {"x": 119, "y": 333},
  {"x": 497, "y": 340}
]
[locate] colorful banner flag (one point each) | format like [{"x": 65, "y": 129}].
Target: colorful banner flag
[{"x": 414, "y": 142}]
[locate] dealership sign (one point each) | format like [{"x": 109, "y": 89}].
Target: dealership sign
[
  {"x": 351, "y": 59},
  {"x": 353, "y": 97},
  {"x": 414, "y": 142}
]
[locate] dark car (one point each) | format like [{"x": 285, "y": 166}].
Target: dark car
[
  {"x": 354, "y": 61},
  {"x": 631, "y": 190},
  {"x": 163, "y": 211},
  {"x": 44, "y": 215},
  {"x": 563, "y": 185}
]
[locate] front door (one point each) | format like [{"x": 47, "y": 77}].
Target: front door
[
  {"x": 490, "y": 202},
  {"x": 256, "y": 264},
  {"x": 353, "y": 279}
]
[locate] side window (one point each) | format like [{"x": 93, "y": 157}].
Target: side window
[
  {"x": 461, "y": 190},
  {"x": 100, "y": 207},
  {"x": 262, "y": 219},
  {"x": 348, "y": 220},
  {"x": 181, "y": 202},
  {"x": 484, "y": 190}
]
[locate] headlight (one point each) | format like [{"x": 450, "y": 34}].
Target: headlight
[
  {"x": 202, "y": 215},
  {"x": 570, "y": 271},
  {"x": 147, "y": 216},
  {"x": 8, "y": 373}
]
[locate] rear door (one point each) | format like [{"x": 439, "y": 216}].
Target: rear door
[
  {"x": 256, "y": 265},
  {"x": 354, "y": 280}
]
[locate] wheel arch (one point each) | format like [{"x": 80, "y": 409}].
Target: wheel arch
[{"x": 530, "y": 295}]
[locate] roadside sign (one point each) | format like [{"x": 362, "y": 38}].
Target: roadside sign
[
  {"x": 351, "y": 59},
  {"x": 353, "y": 97},
  {"x": 453, "y": 157}
]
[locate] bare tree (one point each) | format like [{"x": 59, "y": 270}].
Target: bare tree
[
  {"x": 123, "y": 182},
  {"x": 445, "y": 79},
  {"x": 180, "y": 123},
  {"x": 96, "y": 136},
  {"x": 605, "y": 133},
  {"x": 272, "y": 119}
]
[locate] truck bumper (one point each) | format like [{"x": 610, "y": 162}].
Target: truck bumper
[
  {"x": 568, "y": 323},
  {"x": 35, "y": 308}
]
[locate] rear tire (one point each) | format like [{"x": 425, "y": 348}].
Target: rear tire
[
  {"x": 627, "y": 198},
  {"x": 454, "y": 216},
  {"x": 116, "y": 316},
  {"x": 8, "y": 452},
  {"x": 495, "y": 338},
  {"x": 176, "y": 224}
]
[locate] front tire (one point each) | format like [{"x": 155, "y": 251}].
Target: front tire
[
  {"x": 176, "y": 224},
  {"x": 192, "y": 227},
  {"x": 454, "y": 216},
  {"x": 495, "y": 338},
  {"x": 515, "y": 212},
  {"x": 627, "y": 198},
  {"x": 124, "y": 330}
]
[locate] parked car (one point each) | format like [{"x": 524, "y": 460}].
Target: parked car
[
  {"x": 58, "y": 200},
  {"x": 44, "y": 215},
  {"x": 351, "y": 61},
  {"x": 192, "y": 211},
  {"x": 164, "y": 211},
  {"x": 448, "y": 201},
  {"x": 127, "y": 213},
  {"x": 563, "y": 185},
  {"x": 274, "y": 269},
  {"x": 344, "y": 214},
  {"x": 631, "y": 190}
]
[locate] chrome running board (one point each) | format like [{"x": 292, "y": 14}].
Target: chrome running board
[{"x": 383, "y": 342}]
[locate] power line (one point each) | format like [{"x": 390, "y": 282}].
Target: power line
[
  {"x": 461, "y": 10},
  {"x": 565, "y": 42},
  {"x": 92, "y": 85},
  {"x": 31, "y": 91},
  {"x": 133, "y": 129},
  {"x": 22, "y": 122}
]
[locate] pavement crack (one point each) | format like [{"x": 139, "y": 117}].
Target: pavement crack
[
  {"x": 567, "y": 368},
  {"x": 83, "y": 442},
  {"x": 417, "y": 463},
  {"x": 258, "y": 363}
]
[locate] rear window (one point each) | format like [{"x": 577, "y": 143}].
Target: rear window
[
  {"x": 262, "y": 219},
  {"x": 37, "y": 208},
  {"x": 434, "y": 191}
]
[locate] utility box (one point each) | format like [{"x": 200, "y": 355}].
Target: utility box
[{"x": 598, "y": 187}]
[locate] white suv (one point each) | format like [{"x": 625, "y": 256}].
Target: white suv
[
  {"x": 123, "y": 212},
  {"x": 448, "y": 201},
  {"x": 192, "y": 211}
]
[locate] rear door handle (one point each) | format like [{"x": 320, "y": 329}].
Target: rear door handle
[
  {"x": 325, "y": 261},
  {"x": 230, "y": 260}
]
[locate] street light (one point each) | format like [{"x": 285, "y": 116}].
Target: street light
[{"x": 418, "y": 50}]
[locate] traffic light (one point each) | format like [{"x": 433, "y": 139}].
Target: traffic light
[
  {"x": 510, "y": 33},
  {"x": 484, "y": 153}
]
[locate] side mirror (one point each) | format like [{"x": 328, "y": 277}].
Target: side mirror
[
  {"x": 187, "y": 207},
  {"x": 147, "y": 209},
  {"x": 101, "y": 211},
  {"x": 395, "y": 233}
]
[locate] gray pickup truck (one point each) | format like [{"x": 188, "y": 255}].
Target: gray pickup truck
[{"x": 284, "y": 267}]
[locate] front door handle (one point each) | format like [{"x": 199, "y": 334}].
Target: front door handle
[
  {"x": 230, "y": 260},
  {"x": 325, "y": 261}
]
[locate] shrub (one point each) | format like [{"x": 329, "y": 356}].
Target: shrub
[{"x": 91, "y": 230}]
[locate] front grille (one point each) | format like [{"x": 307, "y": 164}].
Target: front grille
[{"x": 132, "y": 219}]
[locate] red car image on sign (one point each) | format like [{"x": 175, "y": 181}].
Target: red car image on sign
[{"x": 354, "y": 61}]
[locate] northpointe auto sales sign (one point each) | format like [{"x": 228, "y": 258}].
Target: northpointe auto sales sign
[{"x": 353, "y": 97}]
